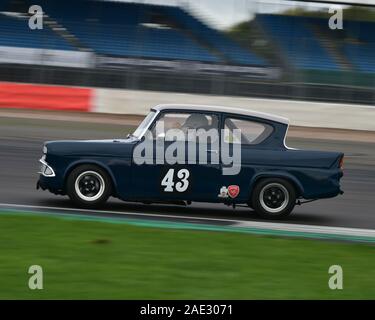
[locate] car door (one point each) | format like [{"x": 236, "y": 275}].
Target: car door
[
  {"x": 178, "y": 171},
  {"x": 243, "y": 137}
]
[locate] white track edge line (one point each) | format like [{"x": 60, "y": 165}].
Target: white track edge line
[{"x": 236, "y": 223}]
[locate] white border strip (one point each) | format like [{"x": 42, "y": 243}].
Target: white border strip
[{"x": 274, "y": 226}]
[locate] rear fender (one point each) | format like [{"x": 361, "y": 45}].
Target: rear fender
[{"x": 277, "y": 174}]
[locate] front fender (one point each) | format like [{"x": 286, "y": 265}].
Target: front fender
[{"x": 102, "y": 165}]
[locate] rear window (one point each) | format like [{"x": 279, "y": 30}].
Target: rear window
[{"x": 252, "y": 132}]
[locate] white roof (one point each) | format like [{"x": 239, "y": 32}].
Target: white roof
[{"x": 239, "y": 111}]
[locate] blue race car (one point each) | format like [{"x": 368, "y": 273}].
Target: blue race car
[{"x": 185, "y": 153}]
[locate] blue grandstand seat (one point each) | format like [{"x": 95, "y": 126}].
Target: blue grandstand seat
[
  {"x": 361, "y": 56},
  {"x": 307, "y": 51},
  {"x": 16, "y": 32},
  {"x": 139, "y": 41},
  {"x": 215, "y": 39},
  {"x": 115, "y": 28},
  {"x": 297, "y": 41},
  {"x": 360, "y": 44},
  {"x": 112, "y": 28},
  {"x": 361, "y": 30}
]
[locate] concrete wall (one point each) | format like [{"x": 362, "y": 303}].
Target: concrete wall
[
  {"x": 300, "y": 113},
  {"x": 63, "y": 98}
]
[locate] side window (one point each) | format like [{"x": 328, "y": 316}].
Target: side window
[
  {"x": 252, "y": 132},
  {"x": 177, "y": 125}
]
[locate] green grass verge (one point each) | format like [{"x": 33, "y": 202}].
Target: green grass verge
[{"x": 88, "y": 259}]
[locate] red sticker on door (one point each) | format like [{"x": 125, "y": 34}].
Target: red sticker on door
[{"x": 233, "y": 191}]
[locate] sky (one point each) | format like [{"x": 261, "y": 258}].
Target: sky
[{"x": 225, "y": 13}]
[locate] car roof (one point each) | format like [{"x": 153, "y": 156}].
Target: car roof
[{"x": 221, "y": 109}]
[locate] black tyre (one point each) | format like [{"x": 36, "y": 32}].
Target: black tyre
[
  {"x": 273, "y": 198},
  {"x": 89, "y": 186}
]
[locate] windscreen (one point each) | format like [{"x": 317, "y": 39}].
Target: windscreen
[{"x": 144, "y": 124}]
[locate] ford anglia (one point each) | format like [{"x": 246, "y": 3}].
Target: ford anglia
[{"x": 181, "y": 154}]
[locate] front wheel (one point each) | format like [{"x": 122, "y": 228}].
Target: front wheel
[
  {"x": 273, "y": 198},
  {"x": 89, "y": 186}
]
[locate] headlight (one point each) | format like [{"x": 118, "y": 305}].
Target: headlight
[
  {"x": 45, "y": 149},
  {"x": 48, "y": 171},
  {"x": 45, "y": 169}
]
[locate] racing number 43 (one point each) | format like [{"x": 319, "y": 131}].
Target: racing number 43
[{"x": 182, "y": 183}]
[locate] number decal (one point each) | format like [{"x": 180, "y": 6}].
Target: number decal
[
  {"x": 181, "y": 186},
  {"x": 167, "y": 181}
]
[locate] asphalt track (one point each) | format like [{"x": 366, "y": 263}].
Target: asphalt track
[{"x": 20, "y": 148}]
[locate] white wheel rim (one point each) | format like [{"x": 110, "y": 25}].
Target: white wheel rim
[
  {"x": 97, "y": 178},
  {"x": 280, "y": 205}
]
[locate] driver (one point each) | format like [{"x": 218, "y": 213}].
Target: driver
[{"x": 195, "y": 121}]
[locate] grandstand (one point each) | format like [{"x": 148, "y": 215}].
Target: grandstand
[
  {"x": 133, "y": 30},
  {"x": 146, "y": 31},
  {"x": 307, "y": 52},
  {"x": 14, "y": 32},
  {"x": 360, "y": 45},
  {"x": 318, "y": 47},
  {"x": 159, "y": 47}
]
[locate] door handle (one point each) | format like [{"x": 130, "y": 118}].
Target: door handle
[{"x": 213, "y": 151}]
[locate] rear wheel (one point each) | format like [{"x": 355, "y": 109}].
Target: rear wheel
[
  {"x": 273, "y": 198},
  {"x": 89, "y": 186}
]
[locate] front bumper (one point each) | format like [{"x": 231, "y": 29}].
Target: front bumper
[
  {"x": 51, "y": 184},
  {"x": 48, "y": 180}
]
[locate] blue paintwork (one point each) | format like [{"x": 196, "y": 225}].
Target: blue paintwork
[{"x": 315, "y": 174}]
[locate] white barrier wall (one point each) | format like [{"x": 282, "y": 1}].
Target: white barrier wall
[
  {"x": 48, "y": 57},
  {"x": 300, "y": 113}
]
